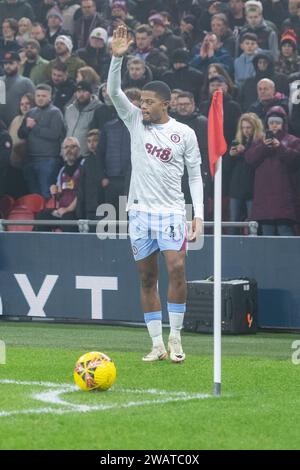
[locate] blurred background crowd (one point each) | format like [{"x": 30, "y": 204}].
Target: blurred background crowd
[{"x": 60, "y": 136}]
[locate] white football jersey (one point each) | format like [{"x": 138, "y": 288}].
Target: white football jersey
[{"x": 158, "y": 155}]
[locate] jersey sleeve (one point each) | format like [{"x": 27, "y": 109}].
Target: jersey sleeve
[
  {"x": 125, "y": 109},
  {"x": 193, "y": 162}
]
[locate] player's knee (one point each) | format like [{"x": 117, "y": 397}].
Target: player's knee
[
  {"x": 148, "y": 280},
  {"x": 177, "y": 271}
]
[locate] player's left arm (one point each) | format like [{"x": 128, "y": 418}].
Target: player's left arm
[{"x": 193, "y": 165}]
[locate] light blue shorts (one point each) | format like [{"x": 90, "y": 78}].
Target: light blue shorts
[{"x": 153, "y": 232}]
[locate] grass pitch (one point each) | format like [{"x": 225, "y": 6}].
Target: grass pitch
[{"x": 160, "y": 406}]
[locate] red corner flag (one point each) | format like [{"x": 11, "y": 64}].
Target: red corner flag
[{"x": 216, "y": 142}]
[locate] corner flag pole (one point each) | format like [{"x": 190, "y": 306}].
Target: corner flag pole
[
  {"x": 216, "y": 148},
  {"x": 217, "y": 276}
]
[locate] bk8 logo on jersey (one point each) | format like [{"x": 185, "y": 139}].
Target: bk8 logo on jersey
[{"x": 164, "y": 155}]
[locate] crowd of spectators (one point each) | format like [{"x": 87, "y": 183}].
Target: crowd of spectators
[{"x": 60, "y": 135}]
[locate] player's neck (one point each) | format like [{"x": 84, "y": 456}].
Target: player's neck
[{"x": 163, "y": 120}]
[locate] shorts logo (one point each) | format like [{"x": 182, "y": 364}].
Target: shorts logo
[
  {"x": 135, "y": 250},
  {"x": 175, "y": 138}
]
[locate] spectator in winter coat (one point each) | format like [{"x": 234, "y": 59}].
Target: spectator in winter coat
[
  {"x": 267, "y": 98},
  {"x": 183, "y": 76},
  {"x": 43, "y": 128},
  {"x": 65, "y": 191},
  {"x": 241, "y": 182},
  {"x": 137, "y": 75},
  {"x": 90, "y": 194},
  {"x": 289, "y": 60},
  {"x": 67, "y": 9},
  {"x": 15, "y": 87},
  {"x": 79, "y": 115},
  {"x": 87, "y": 21},
  {"x": 220, "y": 27},
  {"x": 163, "y": 37},
  {"x": 293, "y": 21},
  {"x": 243, "y": 65},
  {"x": 8, "y": 42},
  {"x": 218, "y": 69},
  {"x": 63, "y": 50},
  {"x": 95, "y": 53},
  {"x": 264, "y": 65},
  {"x": 54, "y": 26},
  {"x": 63, "y": 87},
  {"x": 212, "y": 52},
  {"x": 15, "y": 9},
  {"x": 187, "y": 114},
  {"x": 275, "y": 159},
  {"x": 232, "y": 110},
  {"x": 106, "y": 112},
  {"x": 47, "y": 50},
  {"x": 5, "y": 152},
  {"x": 255, "y": 23},
  {"x": 34, "y": 66}
]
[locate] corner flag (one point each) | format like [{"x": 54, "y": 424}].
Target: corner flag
[
  {"x": 216, "y": 142},
  {"x": 216, "y": 148}
]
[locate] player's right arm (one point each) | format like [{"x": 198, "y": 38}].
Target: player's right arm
[{"x": 120, "y": 45}]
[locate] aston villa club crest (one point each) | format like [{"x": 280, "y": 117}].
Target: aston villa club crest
[{"x": 175, "y": 138}]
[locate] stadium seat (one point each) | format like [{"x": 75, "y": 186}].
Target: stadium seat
[
  {"x": 20, "y": 213},
  {"x": 32, "y": 202},
  {"x": 6, "y": 204},
  {"x": 51, "y": 203}
]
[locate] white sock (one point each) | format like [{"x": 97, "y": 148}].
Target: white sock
[
  {"x": 153, "y": 321},
  {"x": 176, "y": 316}
]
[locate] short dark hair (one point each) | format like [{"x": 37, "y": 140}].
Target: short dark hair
[
  {"x": 249, "y": 36},
  {"x": 186, "y": 94},
  {"x": 93, "y": 133},
  {"x": 60, "y": 66},
  {"x": 44, "y": 87},
  {"x": 144, "y": 28},
  {"x": 133, "y": 94},
  {"x": 161, "y": 89}
]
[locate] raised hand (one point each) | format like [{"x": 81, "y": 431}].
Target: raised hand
[{"x": 120, "y": 42}]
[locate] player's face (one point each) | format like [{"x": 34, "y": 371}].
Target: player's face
[{"x": 153, "y": 107}]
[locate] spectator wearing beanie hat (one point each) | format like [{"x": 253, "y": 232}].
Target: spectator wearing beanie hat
[
  {"x": 119, "y": 15},
  {"x": 34, "y": 66},
  {"x": 95, "y": 53},
  {"x": 63, "y": 50},
  {"x": 163, "y": 37},
  {"x": 79, "y": 115},
  {"x": 183, "y": 76},
  {"x": 289, "y": 61},
  {"x": 54, "y": 25},
  {"x": 87, "y": 22}
]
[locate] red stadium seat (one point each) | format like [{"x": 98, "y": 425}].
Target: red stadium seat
[
  {"x": 51, "y": 203},
  {"x": 20, "y": 213},
  {"x": 6, "y": 204},
  {"x": 32, "y": 202}
]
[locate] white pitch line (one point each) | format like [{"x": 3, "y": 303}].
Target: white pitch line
[{"x": 53, "y": 397}]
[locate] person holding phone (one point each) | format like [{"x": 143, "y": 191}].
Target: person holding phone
[
  {"x": 275, "y": 157},
  {"x": 242, "y": 174}
]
